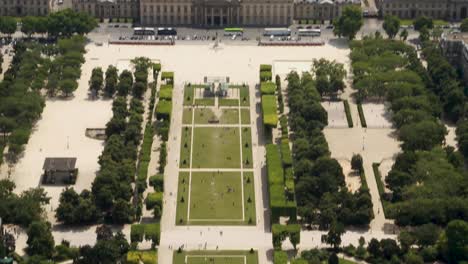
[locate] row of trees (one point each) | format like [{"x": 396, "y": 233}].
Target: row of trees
[
  {"x": 65, "y": 69},
  {"x": 20, "y": 104},
  {"x": 321, "y": 194}
]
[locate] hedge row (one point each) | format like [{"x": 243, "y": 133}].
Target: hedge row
[
  {"x": 145, "y": 257},
  {"x": 154, "y": 199},
  {"x": 280, "y": 257},
  {"x": 168, "y": 77},
  {"x": 270, "y": 116},
  {"x": 265, "y": 68},
  {"x": 267, "y": 88},
  {"x": 349, "y": 118},
  {"x": 152, "y": 232},
  {"x": 286, "y": 153},
  {"x": 164, "y": 109},
  {"x": 279, "y": 204},
  {"x": 362, "y": 117},
  {"x": 281, "y": 232},
  {"x": 165, "y": 92}
]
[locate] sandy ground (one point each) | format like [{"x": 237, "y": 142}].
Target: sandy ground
[
  {"x": 336, "y": 114},
  {"x": 451, "y": 137},
  {"x": 376, "y": 115},
  {"x": 6, "y": 59},
  {"x": 352, "y": 179},
  {"x": 384, "y": 168}
]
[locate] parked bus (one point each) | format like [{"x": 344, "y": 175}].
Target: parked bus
[
  {"x": 144, "y": 31},
  {"x": 167, "y": 32},
  {"x": 233, "y": 31},
  {"x": 315, "y": 32},
  {"x": 277, "y": 32}
]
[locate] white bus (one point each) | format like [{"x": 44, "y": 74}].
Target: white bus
[
  {"x": 143, "y": 31},
  {"x": 314, "y": 32},
  {"x": 277, "y": 32}
]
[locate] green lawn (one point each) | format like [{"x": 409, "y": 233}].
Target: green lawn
[
  {"x": 228, "y": 102},
  {"x": 245, "y": 116},
  {"x": 187, "y": 116},
  {"x": 227, "y": 116},
  {"x": 185, "y": 147},
  {"x": 216, "y": 196},
  {"x": 189, "y": 94},
  {"x": 215, "y": 257},
  {"x": 437, "y": 22},
  {"x": 244, "y": 96},
  {"x": 205, "y": 101},
  {"x": 216, "y": 147},
  {"x": 249, "y": 198},
  {"x": 247, "y": 147}
]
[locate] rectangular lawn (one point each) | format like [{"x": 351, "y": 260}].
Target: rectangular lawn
[
  {"x": 216, "y": 196},
  {"x": 185, "y": 145},
  {"x": 216, "y": 257},
  {"x": 216, "y": 147}
]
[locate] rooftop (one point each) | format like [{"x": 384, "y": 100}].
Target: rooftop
[{"x": 59, "y": 164}]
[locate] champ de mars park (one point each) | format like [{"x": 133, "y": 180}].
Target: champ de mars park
[{"x": 343, "y": 146}]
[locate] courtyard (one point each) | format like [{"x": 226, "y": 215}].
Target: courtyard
[{"x": 216, "y": 257}]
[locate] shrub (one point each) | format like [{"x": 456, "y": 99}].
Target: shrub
[
  {"x": 154, "y": 199},
  {"x": 361, "y": 115},
  {"x": 265, "y": 76},
  {"x": 137, "y": 232},
  {"x": 280, "y": 257},
  {"x": 164, "y": 110},
  {"x": 348, "y": 113},
  {"x": 267, "y": 88},
  {"x": 168, "y": 77},
  {"x": 165, "y": 92},
  {"x": 157, "y": 67},
  {"x": 265, "y": 67},
  {"x": 157, "y": 182},
  {"x": 270, "y": 116},
  {"x": 153, "y": 233},
  {"x": 286, "y": 153}
]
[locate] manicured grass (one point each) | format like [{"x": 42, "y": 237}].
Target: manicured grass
[
  {"x": 269, "y": 110},
  {"x": 182, "y": 198},
  {"x": 215, "y": 196},
  {"x": 187, "y": 116},
  {"x": 249, "y": 198},
  {"x": 362, "y": 117},
  {"x": 189, "y": 94},
  {"x": 216, "y": 147},
  {"x": 215, "y": 257},
  {"x": 228, "y": 102},
  {"x": 247, "y": 148},
  {"x": 245, "y": 116},
  {"x": 349, "y": 118},
  {"x": 205, "y": 101},
  {"x": 228, "y": 116},
  {"x": 437, "y": 22},
  {"x": 185, "y": 147},
  {"x": 244, "y": 96},
  {"x": 145, "y": 257}
]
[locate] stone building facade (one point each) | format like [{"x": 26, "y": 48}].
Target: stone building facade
[
  {"x": 216, "y": 13},
  {"x": 24, "y": 7},
  {"x": 321, "y": 10},
  {"x": 453, "y": 10},
  {"x": 108, "y": 8}
]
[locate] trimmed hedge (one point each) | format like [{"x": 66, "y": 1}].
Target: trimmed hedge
[
  {"x": 137, "y": 232},
  {"x": 361, "y": 115},
  {"x": 165, "y": 92},
  {"x": 280, "y": 257},
  {"x": 270, "y": 116},
  {"x": 286, "y": 153},
  {"x": 349, "y": 118},
  {"x": 284, "y": 126},
  {"x": 380, "y": 187},
  {"x": 279, "y": 204},
  {"x": 265, "y": 67},
  {"x": 153, "y": 233},
  {"x": 267, "y": 88},
  {"x": 168, "y": 77},
  {"x": 157, "y": 67},
  {"x": 265, "y": 76},
  {"x": 145, "y": 257},
  {"x": 164, "y": 109},
  {"x": 157, "y": 182},
  {"x": 154, "y": 199}
]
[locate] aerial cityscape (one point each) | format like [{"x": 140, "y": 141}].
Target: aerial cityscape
[{"x": 233, "y": 131}]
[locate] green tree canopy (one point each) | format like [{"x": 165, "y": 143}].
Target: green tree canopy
[
  {"x": 391, "y": 25},
  {"x": 349, "y": 23}
]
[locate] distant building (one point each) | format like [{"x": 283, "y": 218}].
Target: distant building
[
  {"x": 321, "y": 10},
  {"x": 455, "y": 48},
  {"x": 453, "y": 10},
  {"x": 24, "y": 7},
  {"x": 109, "y": 9},
  {"x": 216, "y": 13}
]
